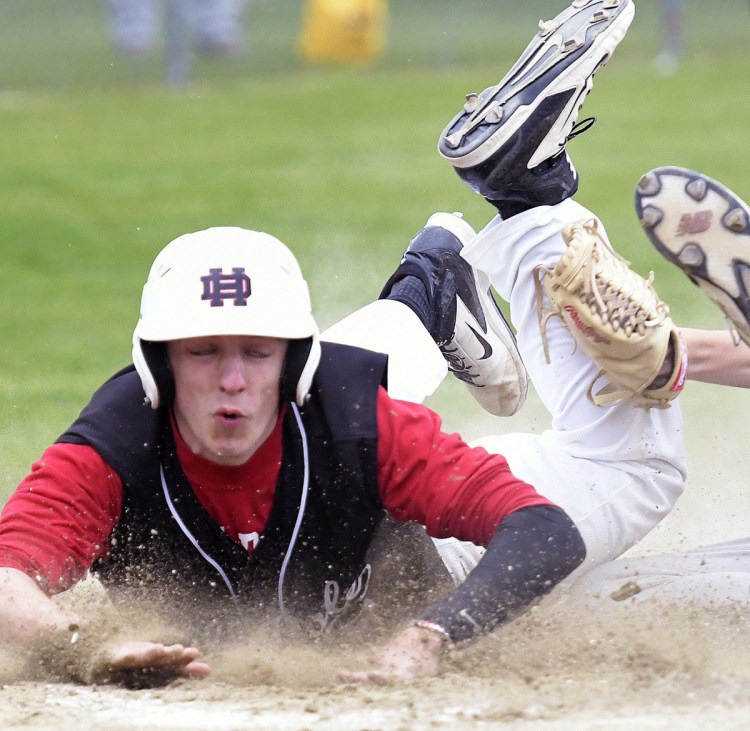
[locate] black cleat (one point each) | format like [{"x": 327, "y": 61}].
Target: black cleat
[
  {"x": 466, "y": 323},
  {"x": 508, "y": 143}
]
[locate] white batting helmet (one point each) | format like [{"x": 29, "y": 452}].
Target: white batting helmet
[{"x": 225, "y": 281}]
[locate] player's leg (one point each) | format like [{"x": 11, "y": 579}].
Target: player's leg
[
  {"x": 508, "y": 143},
  {"x": 618, "y": 468},
  {"x": 436, "y": 303},
  {"x": 416, "y": 366},
  {"x": 715, "y": 574},
  {"x": 516, "y": 164},
  {"x": 702, "y": 227}
]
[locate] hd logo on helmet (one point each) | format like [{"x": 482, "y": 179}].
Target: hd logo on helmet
[{"x": 218, "y": 287}]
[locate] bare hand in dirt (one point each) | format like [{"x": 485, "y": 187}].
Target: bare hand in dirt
[
  {"x": 142, "y": 663},
  {"x": 412, "y": 654}
]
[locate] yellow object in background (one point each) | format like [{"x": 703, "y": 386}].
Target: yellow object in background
[{"x": 343, "y": 30}]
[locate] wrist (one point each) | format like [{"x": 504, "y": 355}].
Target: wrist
[{"x": 436, "y": 630}]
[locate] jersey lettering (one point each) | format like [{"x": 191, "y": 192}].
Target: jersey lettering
[
  {"x": 335, "y": 606},
  {"x": 249, "y": 541}
]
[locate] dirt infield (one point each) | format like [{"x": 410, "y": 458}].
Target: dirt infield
[{"x": 671, "y": 668}]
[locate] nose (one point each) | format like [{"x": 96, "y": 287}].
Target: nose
[{"x": 232, "y": 379}]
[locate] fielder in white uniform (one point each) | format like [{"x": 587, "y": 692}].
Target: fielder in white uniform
[{"x": 614, "y": 457}]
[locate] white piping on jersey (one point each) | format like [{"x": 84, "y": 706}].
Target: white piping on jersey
[
  {"x": 302, "y": 504},
  {"x": 297, "y": 525},
  {"x": 191, "y": 537}
]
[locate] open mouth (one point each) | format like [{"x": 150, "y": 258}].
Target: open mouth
[{"x": 229, "y": 415}]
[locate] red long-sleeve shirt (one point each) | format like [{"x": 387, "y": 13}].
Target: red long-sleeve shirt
[{"x": 58, "y": 521}]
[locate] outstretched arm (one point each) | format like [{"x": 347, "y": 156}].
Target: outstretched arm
[
  {"x": 26, "y": 612},
  {"x": 714, "y": 357},
  {"x": 74, "y": 489},
  {"x": 30, "y": 619},
  {"x": 532, "y": 550}
]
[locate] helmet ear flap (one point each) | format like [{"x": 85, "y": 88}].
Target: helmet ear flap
[
  {"x": 151, "y": 362},
  {"x": 300, "y": 364}
]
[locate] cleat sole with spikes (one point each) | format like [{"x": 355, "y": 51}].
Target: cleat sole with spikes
[
  {"x": 559, "y": 62},
  {"x": 702, "y": 227}
]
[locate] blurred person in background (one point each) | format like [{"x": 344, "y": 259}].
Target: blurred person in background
[
  {"x": 213, "y": 27},
  {"x": 672, "y": 26}
]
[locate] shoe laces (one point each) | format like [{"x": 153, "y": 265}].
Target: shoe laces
[{"x": 580, "y": 127}]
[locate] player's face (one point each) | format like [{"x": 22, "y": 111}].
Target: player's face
[{"x": 227, "y": 393}]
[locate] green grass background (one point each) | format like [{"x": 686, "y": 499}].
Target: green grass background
[{"x": 101, "y": 165}]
